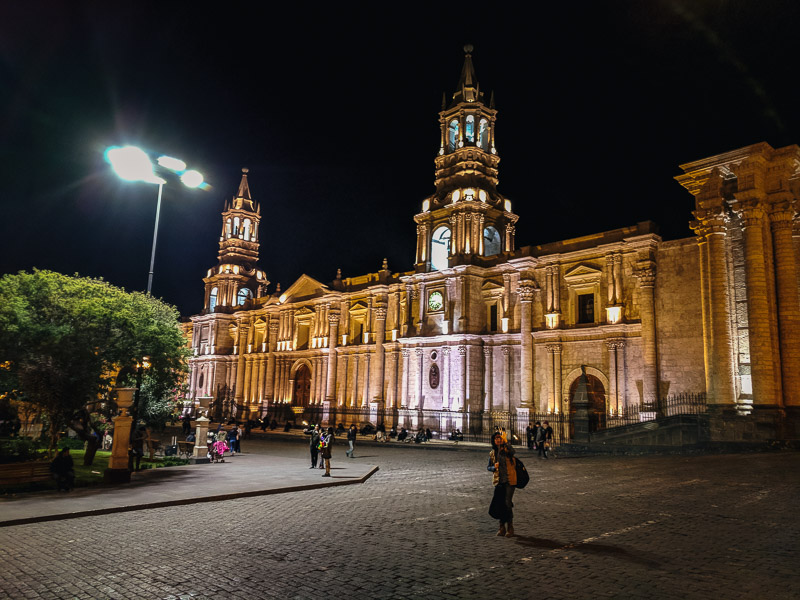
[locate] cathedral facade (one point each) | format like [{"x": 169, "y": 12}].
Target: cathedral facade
[{"x": 482, "y": 326}]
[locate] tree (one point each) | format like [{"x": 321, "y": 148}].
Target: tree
[{"x": 64, "y": 337}]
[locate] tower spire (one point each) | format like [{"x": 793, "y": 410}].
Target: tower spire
[
  {"x": 467, "y": 89},
  {"x": 243, "y": 200}
]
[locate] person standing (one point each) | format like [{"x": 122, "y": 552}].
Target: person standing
[
  {"x": 313, "y": 446},
  {"x": 327, "y": 447},
  {"x": 351, "y": 440},
  {"x": 548, "y": 437},
  {"x": 529, "y": 435},
  {"x": 503, "y": 466},
  {"x": 63, "y": 470},
  {"x": 137, "y": 448}
]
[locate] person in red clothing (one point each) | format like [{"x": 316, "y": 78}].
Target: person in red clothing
[{"x": 503, "y": 465}]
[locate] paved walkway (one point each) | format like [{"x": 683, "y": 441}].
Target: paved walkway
[{"x": 238, "y": 477}]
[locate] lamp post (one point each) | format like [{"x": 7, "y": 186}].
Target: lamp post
[{"x": 133, "y": 164}]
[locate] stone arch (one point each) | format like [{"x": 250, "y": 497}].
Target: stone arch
[
  {"x": 296, "y": 366},
  {"x": 575, "y": 373}
]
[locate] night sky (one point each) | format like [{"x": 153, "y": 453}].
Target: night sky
[{"x": 334, "y": 111}]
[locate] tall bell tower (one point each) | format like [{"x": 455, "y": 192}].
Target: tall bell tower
[
  {"x": 466, "y": 219},
  {"x": 237, "y": 278}
]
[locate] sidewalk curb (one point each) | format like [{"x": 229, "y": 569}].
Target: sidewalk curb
[{"x": 185, "y": 501}]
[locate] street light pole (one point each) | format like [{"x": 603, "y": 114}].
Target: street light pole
[{"x": 155, "y": 239}]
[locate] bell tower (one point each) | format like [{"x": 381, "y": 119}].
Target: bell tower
[
  {"x": 237, "y": 278},
  {"x": 466, "y": 219}
]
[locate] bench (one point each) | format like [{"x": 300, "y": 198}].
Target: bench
[
  {"x": 185, "y": 449},
  {"x": 24, "y": 472}
]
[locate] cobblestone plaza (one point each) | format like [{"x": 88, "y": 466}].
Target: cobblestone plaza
[{"x": 642, "y": 527}]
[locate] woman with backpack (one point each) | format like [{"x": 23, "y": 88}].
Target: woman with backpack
[
  {"x": 326, "y": 445},
  {"x": 502, "y": 464}
]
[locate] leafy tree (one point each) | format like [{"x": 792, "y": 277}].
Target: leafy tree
[{"x": 64, "y": 337}]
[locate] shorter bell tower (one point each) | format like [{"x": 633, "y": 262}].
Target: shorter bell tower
[
  {"x": 237, "y": 278},
  {"x": 466, "y": 219}
]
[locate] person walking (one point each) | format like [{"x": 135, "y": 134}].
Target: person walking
[
  {"x": 326, "y": 442},
  {"x": 351, "y": 440},
  {"x": 313, "y": 446},
  {"x": 234, "y": 437},
  {"x": 538, "y": 438},
  {"x": 504, "y": 478}
]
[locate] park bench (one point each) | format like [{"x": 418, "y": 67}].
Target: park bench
[
  {"x": 185, "y": 449},
  {"x": 24, "y": 472}
]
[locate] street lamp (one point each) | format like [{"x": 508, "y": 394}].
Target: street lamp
[{"x": 133, "y": 164}]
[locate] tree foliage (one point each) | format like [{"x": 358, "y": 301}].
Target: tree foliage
[{"x": 62, "y": 337}]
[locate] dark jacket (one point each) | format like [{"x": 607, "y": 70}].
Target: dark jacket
[
  {"x": 314, "y": 444},
  {"x": 351, "y": 434},
  {"x": 329, "y": 441}
]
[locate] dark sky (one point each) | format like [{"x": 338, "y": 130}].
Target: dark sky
[{"x": 334, "y": 111}]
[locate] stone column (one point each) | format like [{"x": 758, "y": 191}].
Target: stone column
[
  {"x": 354, "y": 397},
  {"x": 702, "y": 245},
  {"x": 240, "y": 369},
  {"x": 613, "y": 371},
  {"x": 423, "y": 302},
  {"x": 409, "y": 310},
  {"x": 788, "y": 304},
  {"x": 343, "y": 380},
  {"x": 366, "y": 394},
  {"x": 270, "y": 378},
  {"x": 462, "y": 393},
  {"x": 506, "y": 378},
  {"x": 418, "y": 403},
  {"x": 487, "y": 378},
  {"x": 647, "y": 281},
  {"x": 762, "y": 363},
  {"x": 262, "y": 372},
  {"x": 446, "y": 378},
  {"x": 333, "y": 337},
  {"x": 379, "y": 374},
  {"x": 391, "y": 388},
  {"x": 406, "y": 377},
  {"x": 526, "y": 292},
  {"x": 558, "y": 400},
  {"x": 722, "y": 385},
  {"x": 255, "y": 362}
]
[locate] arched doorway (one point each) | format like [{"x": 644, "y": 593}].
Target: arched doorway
[
  {"x": 302, "y": 386},
  {"x": 597, "y": 401}
]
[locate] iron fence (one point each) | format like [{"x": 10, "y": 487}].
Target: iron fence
[
  {"x": 469, "y": 426},
  {"x": 670, "y": 406}
]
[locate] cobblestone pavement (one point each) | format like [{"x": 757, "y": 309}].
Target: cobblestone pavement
[{"x": 647, "y": 527}]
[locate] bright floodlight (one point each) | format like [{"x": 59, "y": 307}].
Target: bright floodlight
[
  {"x": 192, "y": 179},
  {"x": 131, "y": 163},
  {"x": 173, "y": 164}
]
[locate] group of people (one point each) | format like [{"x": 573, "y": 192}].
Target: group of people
[
  {"x": 220, "y": 441},
  {"x": 540, "y": 437},
  {"x": 321, "y": 443}
]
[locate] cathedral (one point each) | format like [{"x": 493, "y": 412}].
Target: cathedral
[{"x": 482, "y": 328}]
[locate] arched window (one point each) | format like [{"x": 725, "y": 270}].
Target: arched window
[
  {"x": 236, "y": 227},
  {"x": 246, "y": 227},
  {"x": 483, "y": 135},
  {"x": 212, "y": 299},
  {"x": 491, "y": 241},
  {"x": 452, "y": 135},
  {"x": 469, "y": 129},
  {"x": 440, "y": 248},
  {"x": 228, "y": 228},
  {"x": 243, "y": 296}
]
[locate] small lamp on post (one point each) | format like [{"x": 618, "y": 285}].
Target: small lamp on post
[{"x": 133, "y": 164}]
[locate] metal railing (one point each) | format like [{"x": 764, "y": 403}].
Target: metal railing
[
  {"x": 475, "y": 426},
  {"x": 670, "y": 406}
]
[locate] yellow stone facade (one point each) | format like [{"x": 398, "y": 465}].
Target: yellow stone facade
[{"x": 479, "y": 324}]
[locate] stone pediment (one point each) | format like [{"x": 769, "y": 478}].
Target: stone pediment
[
  {"x": 583, "y": 273},
  {"x": 491, "y": 286},
  {"x": 359, "y": 306},
  {"x": 304, "y": 287},
  {"x": 303, "y": 312}
]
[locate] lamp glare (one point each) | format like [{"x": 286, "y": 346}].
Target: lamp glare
[
  {"x": 192, "y": 179},
  {"x": 173, "y": 164},
  {"x": 130, "y": 163}
]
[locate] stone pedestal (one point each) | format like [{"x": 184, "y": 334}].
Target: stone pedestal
[
  {"x": 117, "y": 471},
  {"x": 200, "y": 454}
]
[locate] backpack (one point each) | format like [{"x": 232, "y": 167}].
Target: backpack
[{"x": 522, "y": 474}]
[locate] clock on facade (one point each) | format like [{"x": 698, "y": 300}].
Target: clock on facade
[{"x": 435, "y": 301}]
